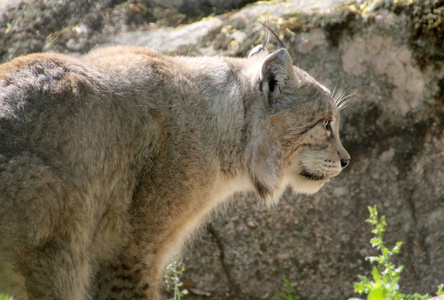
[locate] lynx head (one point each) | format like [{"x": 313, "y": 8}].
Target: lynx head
[{"x": 296, "y": 137}]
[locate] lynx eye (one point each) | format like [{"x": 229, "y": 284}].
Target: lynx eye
[{"x": 327, "y": 125}]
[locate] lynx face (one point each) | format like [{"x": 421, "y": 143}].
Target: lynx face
[
  {"x": 304, "y": 115},
  {"x": 320, "y": 157}
]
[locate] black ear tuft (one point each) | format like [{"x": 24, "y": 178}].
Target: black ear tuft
[
  {"x": 281, "y": 43},
  {"x": 261, "y": 49}
]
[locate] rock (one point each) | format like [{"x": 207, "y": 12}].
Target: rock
[
  {"x": 172, "y": 40},
  {"x": 390, "y": 56},
  {"x": 190, "y": 6}
]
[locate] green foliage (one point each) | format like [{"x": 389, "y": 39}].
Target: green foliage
[
  {"x": 289, "y": 292},
  {"x": 440, "y": 291},
  {"x": 4, "y": 297},
  {"x": 172, "y": 278},
  {"x": 385, "y": 273}
]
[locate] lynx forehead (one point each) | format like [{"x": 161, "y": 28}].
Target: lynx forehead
[{"x": 108, "y": 162}]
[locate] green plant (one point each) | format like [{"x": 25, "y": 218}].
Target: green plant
[
  {"x": 440, "y": 291},
  {"x": 289, "y": 292},
  {"x": 386, "y": 274},
  {"x": 172, "y": 278},
  {"x": 5, "y": 297}
]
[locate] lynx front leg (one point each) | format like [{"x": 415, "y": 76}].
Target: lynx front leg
[
  {"x": 127, "y": 277},
  {"x": 49, "y": 272},
  {"x": 12, "y": 282}
]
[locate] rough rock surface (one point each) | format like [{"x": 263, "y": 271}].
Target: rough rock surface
[{"x": 390, "y": 56}]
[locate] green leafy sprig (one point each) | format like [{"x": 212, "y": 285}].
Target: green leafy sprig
[
  {"x": 172, "y": 278},
  {"x": 385, "y": 273}
]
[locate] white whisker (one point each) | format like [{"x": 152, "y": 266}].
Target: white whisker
[{"x": 340, "y": 99}]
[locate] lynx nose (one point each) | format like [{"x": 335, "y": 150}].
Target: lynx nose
[
  {"x": 344, "y": 162},
  {"x": 343, "y": 156}
]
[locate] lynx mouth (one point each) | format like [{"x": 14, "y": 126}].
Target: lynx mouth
[{"x": 313, "y": 177}]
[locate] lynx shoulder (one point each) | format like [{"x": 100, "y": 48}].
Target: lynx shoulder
[{"x": 109, "y": 161}]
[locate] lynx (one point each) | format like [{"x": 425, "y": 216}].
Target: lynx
[{"x": 109, "y": 161}]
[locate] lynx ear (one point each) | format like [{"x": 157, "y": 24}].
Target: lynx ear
[
  {"x": 276, "y": 72},
  {"x": 259, "y": 49}
]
